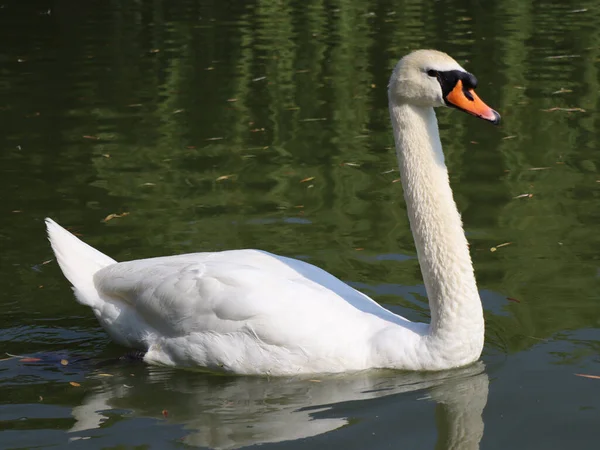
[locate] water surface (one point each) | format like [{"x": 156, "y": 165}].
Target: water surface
[{"x": 207, "y": 126}]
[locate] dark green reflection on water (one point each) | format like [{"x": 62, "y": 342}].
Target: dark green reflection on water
[{"x": 264, "y": 124}]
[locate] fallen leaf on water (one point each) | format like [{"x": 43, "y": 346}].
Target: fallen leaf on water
[
  {"x": 304, "y": 180},
  {"x": 396, "y": 180},
  {"x": 539, "y": 168},
  {"x": 562, "y": 91},
  {"x": 165, "y": 413},
  {"x": 564, "y": 109},
  {"x": 41, "y": 398},
  {"x": 177, "y": 111},
  {"x": 562, "y": 56},
  {"x": 524, "y": 195},
  {"x": 114, "y": 216},
  {"x": 232, "y": 99},
  {"x": 91, "y": 137},
  {"x": 155, "y": 50},
  {"x": 595, "y": 377},
  {"x": 509, "y": 137},
  {"x": 511, "y": 299},
  {"x": 359, "y": 249},
  {"x": 74, "y": 384},
  {"x": 214, "y": 138},
  {"x": 30, "y": 359},
  {"x": 224, "y": 177},
  {"x": 493, "y": 249},
  {"x": 64, "y": 362},
  {"x": 313, "y": 119},
  {"x": 105, "y": 375},
  {"x": 47, "y": 262},
  {"x": 351, "y": 164}
]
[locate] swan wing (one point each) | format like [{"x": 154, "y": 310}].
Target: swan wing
[{"x": 280, "y": 300}]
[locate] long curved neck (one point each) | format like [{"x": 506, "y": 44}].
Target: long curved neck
[{"x": 442, "y": 249}]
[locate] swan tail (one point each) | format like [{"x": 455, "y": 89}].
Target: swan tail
[{"x": 78, "y": 262}]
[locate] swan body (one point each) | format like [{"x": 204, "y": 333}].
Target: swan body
[{"x": 253, "y": 312}]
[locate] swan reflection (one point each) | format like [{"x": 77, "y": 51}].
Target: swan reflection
[{"x": 227, "y": 412}]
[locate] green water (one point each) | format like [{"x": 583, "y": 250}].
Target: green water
[{"x": 219, "y": 125}]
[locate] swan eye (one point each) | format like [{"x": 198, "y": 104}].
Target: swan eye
[{"x": 432, "y": 73}]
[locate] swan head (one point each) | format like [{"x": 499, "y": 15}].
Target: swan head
[{"x": 432, "y": 78}]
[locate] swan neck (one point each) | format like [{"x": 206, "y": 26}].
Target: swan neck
[{"x": 442, "y": 248}]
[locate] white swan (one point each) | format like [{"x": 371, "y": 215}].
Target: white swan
[{"x": 252, "y": 312}]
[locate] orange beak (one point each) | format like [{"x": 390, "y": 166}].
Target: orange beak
[{"x": 468, "y": 101}]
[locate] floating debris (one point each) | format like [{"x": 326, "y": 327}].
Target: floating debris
[
  {"x": 493, "y": 249},
  {"x": 214, "y": 138},
  {"x": 155, "y": 50},
  {"x": 74, "y": 384},
  {"x": 512, "y": 136},
  {"x": 313, "y": 119},
  {"x": 511, "y": 299},
  {"x": 26, "y": 360},
  {"x": 304, "y": 180},
  {"x": 562, "y": 91},
  {"x": 231, "y": 100},
  {"x": 562, "y": 56},
  {"x": 89, "y": 136},
  {"x": 64, "y": 362},
  {"x": 539, "y": 168},
  {"x": 224, "y": 177},
  {"x": 47, "y": 262},
  {"x": 114, "y": 216},
  {"x": 564, "y": 109},
  {"x": 585, "y": 375},
  {"x": 259, "y": 79},
  {"x": 524, "y": 195},
  {"x": 165, "y": 413},
  {"x": 351, "y": 164}
]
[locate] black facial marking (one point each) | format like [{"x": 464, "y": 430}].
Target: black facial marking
[{"x": 449, "y": 78}]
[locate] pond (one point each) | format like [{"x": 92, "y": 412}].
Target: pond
[{"x": 161, "y": 127}]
